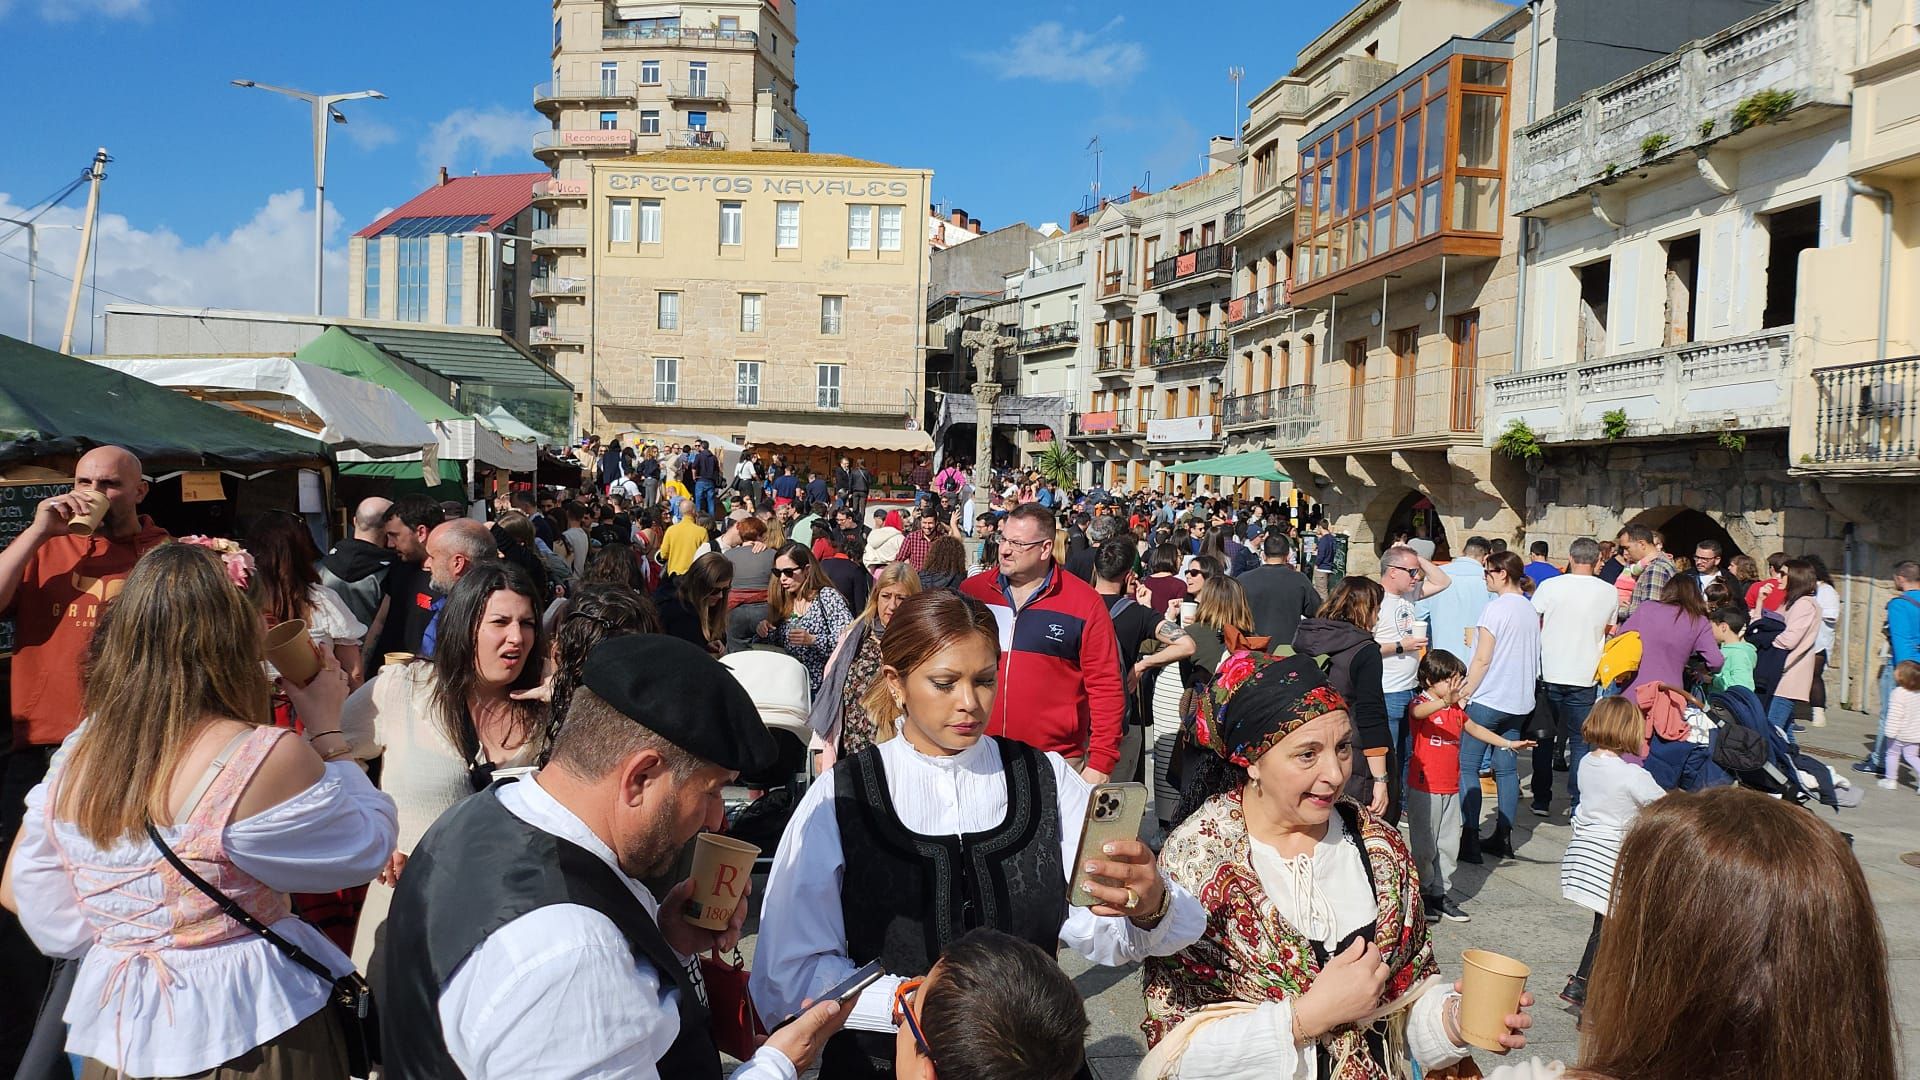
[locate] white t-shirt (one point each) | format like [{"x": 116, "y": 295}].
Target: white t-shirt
[
  {"x": 1829, "y": 602},
  {"x": 1396, "y": 622},
  {"x": 1508, "y": 683},
  {"x": 1574, "y": 612}
]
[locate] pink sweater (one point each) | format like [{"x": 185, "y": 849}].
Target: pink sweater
[{"x": 1803, "y": 628}]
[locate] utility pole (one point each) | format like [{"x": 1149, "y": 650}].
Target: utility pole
[
  {"x": 33, "y": 265},
  {"x": 96, "y": 172},
  {"x": 1094, "y": 145},
  {"x": 1236, "y": 73}
]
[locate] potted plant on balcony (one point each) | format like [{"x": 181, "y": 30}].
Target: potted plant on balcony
[{"x": 1520, "y": 443}]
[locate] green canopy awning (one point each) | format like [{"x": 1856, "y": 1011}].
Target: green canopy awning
[
  {"x": 1247, "y": 464},
  {"x": 398, "y": 470},
  {"x": 52, "y": 405},
  {"x": 340, "y": 351}
]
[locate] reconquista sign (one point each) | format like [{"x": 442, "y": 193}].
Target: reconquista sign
[{"x": 767, "y": 185}]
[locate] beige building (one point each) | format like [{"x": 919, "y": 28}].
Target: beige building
[
  {"x": 739, "y": 286},
  {"x": 630, "y": 78}
]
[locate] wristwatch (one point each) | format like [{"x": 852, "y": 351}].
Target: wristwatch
[{"x": 1399, "y": 648}]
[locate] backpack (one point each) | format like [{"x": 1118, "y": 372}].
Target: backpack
[{"x": 1620, "y": 657}]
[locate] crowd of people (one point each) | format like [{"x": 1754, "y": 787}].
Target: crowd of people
[{"x": 477, "y": 812}]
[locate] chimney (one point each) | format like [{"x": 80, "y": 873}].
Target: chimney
[
  {"x": 443, "y": 176},
  {"x": 958, "y": 218},
  {"x": 974, "y": 224},
  {"x": 1220, "y": 153}
]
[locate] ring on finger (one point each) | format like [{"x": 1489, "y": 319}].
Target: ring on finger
[{"x": 1133, "y": 899}]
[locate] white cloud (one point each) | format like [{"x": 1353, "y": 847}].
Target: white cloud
[
  {"x": 474, "y": 138},
  {"x": 1050, "y": 52},
  {"x": 69, "y": 10},
  {"x": 263, "y": 264},
  {"x": 367, "y": 133}
]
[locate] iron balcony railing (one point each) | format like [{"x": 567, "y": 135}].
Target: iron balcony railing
[
  {"x": 583, "y": 90},
  {"x": 1124, "y": 422},
  {"x": 698, "y": 138},
  {"x": 1236, "y": 221},
  {"x": 557, "y": 285},
  {"x": 1188, "y": 348},
  {"x": 1194, "y": 265},
  {"x": 1257, "y": 304},
  {"x": 1114, "y": 358},
  {"x": 1289, "y": 408},
  {"x": 559, "y": 238},
  {"x": 1050, "y": 336},
  {"x": 702, "y": 37},
  {"x": 698, "y": 90},
  {"x": 1867, "y": 414}
]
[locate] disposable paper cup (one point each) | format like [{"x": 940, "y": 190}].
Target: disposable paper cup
[
  {"x": 1189, "y": 611},
  {"x": 1490, "y": 986},
  {"x": 393, "y": 658},
  {"x": 89, "y": 523},
  {"x": 291, "y": 652},
  {"x": 722, "y": 867}
]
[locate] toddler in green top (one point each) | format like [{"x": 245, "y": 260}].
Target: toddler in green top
[{"x": 1729, "y": 623}]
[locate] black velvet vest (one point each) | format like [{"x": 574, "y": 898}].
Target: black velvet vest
[
  {"x": 907, "y": 896},
  {"x": 475, "y": 871}
]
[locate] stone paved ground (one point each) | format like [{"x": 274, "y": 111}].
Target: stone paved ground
[{"x": 1517, "y": 909}]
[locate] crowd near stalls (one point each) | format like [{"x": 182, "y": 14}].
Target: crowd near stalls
[{"x": 524, "y": 773}]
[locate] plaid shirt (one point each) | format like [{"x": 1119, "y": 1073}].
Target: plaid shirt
[
  {"x": 914, "y": 548},
  {"x": 1650, "y": 582}
]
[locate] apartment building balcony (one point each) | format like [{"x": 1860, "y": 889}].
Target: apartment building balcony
[
  {"x": 1428, "y": 410},
  {"x": 1236, "y": 221},
  {"x": 1125, "y": 422},
  {"x": 1195, "y": 348},
  {"x": 697, "y": 139},
  {"x": 1302, "y": 100},
  {"x": 550, "y": 97},
  {"x": 1113, "y": 360},
  {"x": 1183, "y": 432},
  {"x": 547, "y": 239},
  {"x": 548, "y": 145},
  {"x": 1247, "y": 311},
  {"x": 559, "y": 285},
  {"x": 1066, "y": 274},
  {"x": 555, "y": 190},
  {"x": 1695, "y": 109},
  {"x": 638, "y": 37},
  {"x": 557, "y": 337},
  {"x": 1286, "y": 409},
  {"x": 1865, "y": 419},
  {"x": 1262, "y": 207},
  {"x": 1050, "y": 336},
  {"x": 1739, "y": 384},
  {"x": 1201, "y": 266},
  {"x": 712, "y": 90}
]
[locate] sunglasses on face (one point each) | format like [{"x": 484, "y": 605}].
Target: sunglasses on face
[
  {"x": 1196, "y": 573},
  {"x": 1413, "y": 572},
  {"x": 903, "y": 1014},
  {"x": 788, "y": 571}
]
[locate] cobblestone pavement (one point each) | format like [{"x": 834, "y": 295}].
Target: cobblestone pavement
[{"x": 1517, "y": 909}]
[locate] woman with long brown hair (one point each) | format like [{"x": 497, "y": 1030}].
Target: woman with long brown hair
[
  {"x": 1222, "y": 613},
  {"x": 1800, "y": 640},
  {"x": 1342, "y": 631},
  {"x": 285, "y": 584},
  {"x": 1004, "y": 819},
  {"x": 445, "y": 726},
  {"x": 805, "y": 614},
  {"x": 177, "y": 741},
  {"x": 1772, "y": 899},
  {"x": 695, "y": 609}
]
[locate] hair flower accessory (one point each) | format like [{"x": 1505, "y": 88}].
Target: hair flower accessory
[{"x": 238, "y": 561}]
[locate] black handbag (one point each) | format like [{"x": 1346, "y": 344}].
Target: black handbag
[{"x": 351, "y": 998}]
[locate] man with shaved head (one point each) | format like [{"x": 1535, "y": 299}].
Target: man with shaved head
[
  {"x": 453, "y": 548},
  {"x": 356, "y": 567}
]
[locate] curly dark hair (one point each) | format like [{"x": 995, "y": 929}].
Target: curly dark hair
[{"x": 597, "y": 611}]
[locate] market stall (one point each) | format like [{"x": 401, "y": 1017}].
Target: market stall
[{"x": 889, "y": 452}]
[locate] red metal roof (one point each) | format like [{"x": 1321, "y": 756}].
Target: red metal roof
[{"x": 500, "y": 197}]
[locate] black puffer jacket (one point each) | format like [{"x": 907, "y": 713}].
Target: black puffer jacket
[{"x": 1353, "y": 667}]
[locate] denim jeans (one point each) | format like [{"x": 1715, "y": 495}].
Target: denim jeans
[
  {"x": 1879, "y": 756},
  {"x": 1506, "y": 773},
  {"x": 703, "y": 497},
  {"x": 1780, "y": 715},
  {"x": 1570, "y": 705},
  {"x": 1397, "y": 702}
]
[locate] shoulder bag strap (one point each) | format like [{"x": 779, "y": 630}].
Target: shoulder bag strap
[{"x": 237, "y": 913}]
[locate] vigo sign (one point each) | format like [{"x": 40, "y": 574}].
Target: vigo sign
[{"x": 768, "y": 185}]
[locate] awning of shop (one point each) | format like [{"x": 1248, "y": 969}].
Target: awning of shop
[
  {"x": 398, "y": 470},
  {"x": 461, "y": 437},
  {"x": 836, "y": 437},
  {"x": 306, "y": 399},
  {"x": 508, "y": 425},
  {"x": 1248, "y": 464},
  {"x": 487, "y": 368},
  {"x": 54, "y": 406}
]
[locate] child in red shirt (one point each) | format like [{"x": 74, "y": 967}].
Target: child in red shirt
[{"x": 1438, "y": 715}]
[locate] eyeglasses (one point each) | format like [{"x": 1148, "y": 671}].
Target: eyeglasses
[
  {"x": 903, "y": 1014},
  {"x": 1196, "y": 573},
  {"x": 1021, "y": 544},
  {"x": 788, "y": 571}
]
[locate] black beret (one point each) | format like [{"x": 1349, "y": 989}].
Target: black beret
[{"x": 676, "y": 690}]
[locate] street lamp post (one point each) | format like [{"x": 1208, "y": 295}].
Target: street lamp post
[
  {"x": 33, "y": 265},
  {"x": 323, "y": 109}
]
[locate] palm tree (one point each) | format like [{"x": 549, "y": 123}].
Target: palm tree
[{"x": 1058, "y": 464}]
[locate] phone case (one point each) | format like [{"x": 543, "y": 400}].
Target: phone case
[{"x": 1114, "y": 812}]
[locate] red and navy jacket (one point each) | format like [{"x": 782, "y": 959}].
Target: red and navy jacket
[{"x": 1060, "y": 686}]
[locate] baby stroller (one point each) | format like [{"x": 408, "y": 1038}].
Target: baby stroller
[{"x": 780, "y": 689}]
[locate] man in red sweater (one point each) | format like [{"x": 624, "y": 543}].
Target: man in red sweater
[{"x": 1060, "y": 685}]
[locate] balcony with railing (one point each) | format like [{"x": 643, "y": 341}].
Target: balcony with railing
[
  {"x": 559, "y": 238},
  {"x": 549, "y": 96},
  {"x": 697, "y": 90},
  {"x": 1866, "y": 418},
  {"x": 1051, "y": 336},
  {"x": 1740, "y": 384},
  {"x": 1286, "y": 409},
  {"x": 1257, "y": 306},
  {"x": 1236, "y": 221},
  {"x": 547, "y": 144},
  {"x": 697, "y": 139},
  {"x": 1428, "y": 410},
  {"x": 554, "y": 189},
  {"x": 1113, "y": 359},
  {"x": 558, "y": 285},
  {"x": 634, "y": 37},
  {"x": 1692, "y": 108},
  {"x": 1124, "y": 422},
  {"x": 557, "y": 336},
  {"x": 1199, "y": 347},
  {"x": 1200, "y": 266},
  {"x": 1065, "y": 274}
]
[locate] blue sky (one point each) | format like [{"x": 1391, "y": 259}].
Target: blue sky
[{"x": 208, "y": 200}]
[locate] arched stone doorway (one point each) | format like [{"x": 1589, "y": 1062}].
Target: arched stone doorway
[
  {"x": 1683, "y": 527},
  {"x": 1419, "y": 518}
]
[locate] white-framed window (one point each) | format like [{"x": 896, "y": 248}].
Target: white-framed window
[
  {"x": 620, "y": 221},
  {"x": 697, "y": 78},
  {"x": 751, "y": 304},
  {"x": 859, "y": 228},
  {"x": 786, "y": 225},
  {"x": 649, "y": 221},
  {"x": 666, "y": 380},
  {"x": 831, "y": 309},
  {"x": 609, "y": 120},
  {"x": 649, "y": 121},
  {"x": 609, "y": 78},
  {"x": 650, "y": 72},
  {"x": 667, "y": 315},
  {"x": 732, "y": 223},
  {"x": 746, "y": 382},
  {"x": 890, "y": 227},
  {"x": 827, "y": 385}
]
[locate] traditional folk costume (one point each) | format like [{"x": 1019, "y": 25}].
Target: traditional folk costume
[
  {"x": 516, "y": 944},
  {"x": 1223, "y": 1006},
  {"x": 898, "y": 853}
]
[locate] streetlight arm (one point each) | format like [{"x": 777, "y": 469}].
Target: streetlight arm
[{"x": 300, "y": 94}]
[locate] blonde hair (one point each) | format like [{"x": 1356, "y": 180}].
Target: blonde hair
[
  {"x": 898, "y": 573},
  {"x": 1223, "y": 603},
  {"x": 1615, "y": 724},
  {"x": 180, "y": 645}
]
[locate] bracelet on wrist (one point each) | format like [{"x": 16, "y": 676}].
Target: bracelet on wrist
[{"x": 312, "y": 735}]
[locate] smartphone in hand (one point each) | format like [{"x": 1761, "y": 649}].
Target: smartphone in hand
[{"x": 1114, "y": 812}]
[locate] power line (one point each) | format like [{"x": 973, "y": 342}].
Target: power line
[
  {"x": 96, "y": 289},
  {"x": 51, "y": 202}
]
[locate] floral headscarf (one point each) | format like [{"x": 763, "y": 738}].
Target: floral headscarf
[{"x": 1256, "y": 700}]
